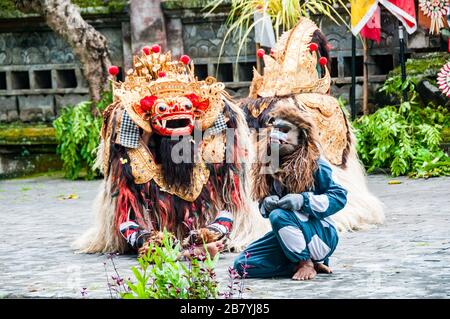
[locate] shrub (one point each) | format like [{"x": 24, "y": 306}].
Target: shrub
[
  {"x": 404, "y": 139},
  {"x": 77, "y": 133},
  {"x": 162, "y": 275}
]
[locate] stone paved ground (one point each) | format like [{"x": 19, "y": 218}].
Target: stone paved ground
[{"x": 407, "y": 257}]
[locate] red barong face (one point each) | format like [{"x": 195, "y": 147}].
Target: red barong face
[
  {"x": 172, "y": 116},
  {"x": 168, "y": 116}
]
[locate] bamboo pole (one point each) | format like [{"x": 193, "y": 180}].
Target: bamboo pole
[
  {"x": 366, "y": 78},
  {"x": 353, "y": 88}
]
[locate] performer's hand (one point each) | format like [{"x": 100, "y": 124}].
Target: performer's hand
[
  {"x": 292, "y": 202},
  {"x": 268, "y": 205},
  {"x": 201, "y": 236}
]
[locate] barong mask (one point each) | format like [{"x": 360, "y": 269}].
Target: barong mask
[
  {"x": 162, "y": 100},
  {"x": 165, "y": 97},
  {"x": 168, "y": 117}
]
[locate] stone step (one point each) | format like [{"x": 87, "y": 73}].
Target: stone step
[
  {"x": 23, "y": 134},
  {"x": 27, "y": 149}
]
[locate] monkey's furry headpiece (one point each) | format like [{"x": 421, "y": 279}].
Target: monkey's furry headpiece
[{"x": 291, "y": 70}]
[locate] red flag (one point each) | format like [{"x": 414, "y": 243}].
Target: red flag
[
  {"x": 372, "y": 29},
  {"x": 405, "y": 11}
]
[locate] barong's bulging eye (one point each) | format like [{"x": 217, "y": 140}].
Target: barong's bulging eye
[
  {"x": 188, "y": 106},
  {"x": 162, "y": 108}
]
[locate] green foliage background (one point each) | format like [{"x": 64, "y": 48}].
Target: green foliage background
[
  {"x": 405, "y": 138},
  {"x": 78, "y": 134}
]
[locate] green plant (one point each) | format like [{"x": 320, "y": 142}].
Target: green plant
[
  {"x": 283, "y": 13},
  {"x": 162, "y": 275},
  {"x": 112, "y": 5},
  {"x": 394, "y": 86},
  {"x": 343, "y": 104},
  {"x": 421, "y": 68},
  {"x": 404, "y": 139},
  {"x": 77, "y": 132}
]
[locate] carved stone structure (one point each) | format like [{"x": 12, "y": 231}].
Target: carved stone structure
[
  {"x": 38, "y": 71},
  {"x": 39, "y": 74}
]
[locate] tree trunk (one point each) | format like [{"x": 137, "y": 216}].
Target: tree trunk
[{"x": 88, "y": 45}]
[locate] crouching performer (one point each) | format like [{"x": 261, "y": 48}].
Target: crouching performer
[
  {"x": 319, "y": 185},
  {"x": 298, "y": 198}
]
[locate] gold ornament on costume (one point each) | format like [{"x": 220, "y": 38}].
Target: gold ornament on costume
[
  {"x": 291, "y": 70},
  {"x": 163, "y": 95},
  {"x": 330, "y": 122},
  {"x": 144, "y": 169}
]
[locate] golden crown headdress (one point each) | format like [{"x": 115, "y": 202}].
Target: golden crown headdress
[
  {"x": 156, "y": 74},
  {"x": 291, "y": 66},
  {"x": 291, "y": 69}
]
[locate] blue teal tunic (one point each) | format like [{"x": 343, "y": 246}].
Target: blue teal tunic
[{"x": 297, "y": 235}]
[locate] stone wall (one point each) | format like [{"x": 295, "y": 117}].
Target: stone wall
[
  {"x": 27, "y": 149},
  {"x": 38, "y": 71},
  {"x": 39, "y": 74}
]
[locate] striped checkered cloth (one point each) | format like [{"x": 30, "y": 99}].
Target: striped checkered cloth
[
  {"x": 218, "y": 126},
  {"x": 222, "y": 224},
  {"x": 133, "y": 234},
  {"x": 129, "y": 132}
]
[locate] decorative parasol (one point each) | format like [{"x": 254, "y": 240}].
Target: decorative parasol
[
  {"x": 436, "y": 10},
  {"x": 443, "y": 79}
]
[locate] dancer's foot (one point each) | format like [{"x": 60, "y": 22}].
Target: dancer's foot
[
  {"x": 305, "y": 271},
  {"x": 322, "y": 268}
]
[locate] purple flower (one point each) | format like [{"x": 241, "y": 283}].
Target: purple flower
[
  {"x": 233, "y": 273},
  {"x": 119, "y": 281}
]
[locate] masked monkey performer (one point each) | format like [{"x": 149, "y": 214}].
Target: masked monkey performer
[{"x": 319, "y": 186}]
